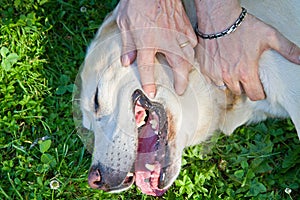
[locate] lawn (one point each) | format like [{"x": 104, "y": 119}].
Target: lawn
[{"x": 42, "y": 45}]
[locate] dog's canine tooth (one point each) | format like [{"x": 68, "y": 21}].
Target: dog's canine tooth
[{"x": 150, "y": 167}]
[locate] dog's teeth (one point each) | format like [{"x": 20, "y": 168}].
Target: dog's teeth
[
  {"x": 130, "y": 174},
  {"x": 150, "y": 167},
  {"x": 163, "y": 176},
  {"x": 153, "y": 123}
]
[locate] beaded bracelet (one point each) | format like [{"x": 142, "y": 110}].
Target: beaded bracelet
[{"x": 227, "y": 31}]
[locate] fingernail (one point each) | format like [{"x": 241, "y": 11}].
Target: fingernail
[
  {"x": 151, "y": 95},
  {"x": 125, "y": 60}
]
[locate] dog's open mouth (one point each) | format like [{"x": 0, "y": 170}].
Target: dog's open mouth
[{"x": 152, "y": 152}]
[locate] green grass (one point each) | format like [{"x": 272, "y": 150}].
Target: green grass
[{"x": 42, "y": 45}]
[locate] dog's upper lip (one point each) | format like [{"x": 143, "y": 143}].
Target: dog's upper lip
[{"x": 139, "y": 96}]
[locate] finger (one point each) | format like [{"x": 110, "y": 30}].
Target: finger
[
  {"x": 145, "y": 61},
  {"x": 231, "y": 82},
  {"x": 252, "y": 85},
  {"x": 285, "y": 47},
  {"x": 128, "y": 46},
  {"x": 128, "y": 58},
  {"x": 256, "y": 92},
  {"x": 210, "y": 66},
  {"x": 185, "y": 46},
  {"x": 181, "y": 69}
]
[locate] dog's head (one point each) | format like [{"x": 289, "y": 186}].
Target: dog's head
[{"x": 136, "y": 139}]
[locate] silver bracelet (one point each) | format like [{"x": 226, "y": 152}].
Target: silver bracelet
[{"x": 227, "y": 31}]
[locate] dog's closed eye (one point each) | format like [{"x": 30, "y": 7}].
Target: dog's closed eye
[{"x": 96, "y": 102}]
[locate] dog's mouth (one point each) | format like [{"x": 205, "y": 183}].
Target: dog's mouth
[
  {"x": 152, "y": 157},
  {"x": 152, "y": 170}
]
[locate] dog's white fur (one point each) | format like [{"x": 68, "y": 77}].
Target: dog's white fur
[{"x": 203, "y": 108}]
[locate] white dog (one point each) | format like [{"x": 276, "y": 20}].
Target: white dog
[{"x": 141, "y": 140}]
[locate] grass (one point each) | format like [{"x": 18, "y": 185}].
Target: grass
[{"x": 42, "y": 45}]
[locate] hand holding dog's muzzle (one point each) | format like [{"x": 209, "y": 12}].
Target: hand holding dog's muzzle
[{"x": 150, "y": 27}]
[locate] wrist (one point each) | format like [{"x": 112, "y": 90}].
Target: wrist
[{"x": 215, "y": 16}]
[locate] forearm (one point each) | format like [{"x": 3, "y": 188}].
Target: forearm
[{"x": 215, "y": 15}]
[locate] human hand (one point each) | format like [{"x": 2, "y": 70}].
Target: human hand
[
  {"x": 149, "y": 27},
  {"x": 233, "y": 59}
]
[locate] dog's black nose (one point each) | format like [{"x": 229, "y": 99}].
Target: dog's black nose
[
  {"x": 94, "y": 179},
  {"x": 106, "y": 178}
]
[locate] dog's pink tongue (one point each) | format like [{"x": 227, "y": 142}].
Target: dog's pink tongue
[
  {"x": 147, "y": 169},
  {"x": 147, "y": 181}
]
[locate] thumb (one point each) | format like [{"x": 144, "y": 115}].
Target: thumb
[{"x": 285, "y": 47}]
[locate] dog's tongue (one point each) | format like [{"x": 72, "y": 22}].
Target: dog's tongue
[{"x": 147, "y": 169}]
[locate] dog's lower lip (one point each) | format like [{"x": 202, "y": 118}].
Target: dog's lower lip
[{"x": 152, "y": 152}]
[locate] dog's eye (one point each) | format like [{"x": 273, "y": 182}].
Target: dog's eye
[{"x": 96, "y": 103}]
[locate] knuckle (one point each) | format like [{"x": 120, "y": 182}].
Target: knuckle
[
  {"x": 144, "y": 68},
  {"x": 292, "y": 49}
]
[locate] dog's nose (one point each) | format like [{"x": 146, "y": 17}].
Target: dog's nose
[
  {"x": 94, "y": 179},
  {"x": 105, "y": 178}
]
